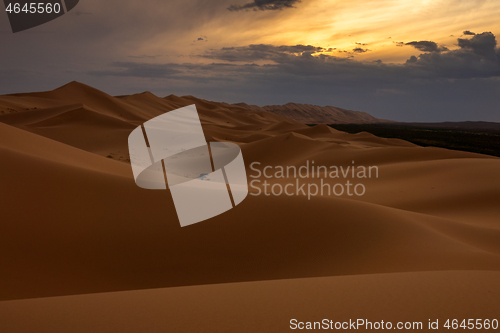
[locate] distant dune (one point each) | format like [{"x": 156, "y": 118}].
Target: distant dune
[
  {"x": 422, "y": 243},
  {"x": 80, "y": 93},
  {"x": 314, "y": 114}
]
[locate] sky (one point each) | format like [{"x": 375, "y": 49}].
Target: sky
[{"x": 404, "y": 60}]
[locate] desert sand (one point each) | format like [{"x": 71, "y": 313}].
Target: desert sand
[{"x": 83, "y": 249}]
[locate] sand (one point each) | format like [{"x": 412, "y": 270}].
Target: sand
[{"x": 84, "y": 249}]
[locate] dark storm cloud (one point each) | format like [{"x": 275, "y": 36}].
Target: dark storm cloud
[
  {"x": 265, "y": 5},
  {"x": 427, "y": 46},
  {"x": 483, "y": 44},
  {"x": 261, "y": 52},
  {"x": 477, "y": 57},
  {"x": 412, "y": 60},
  {"x": 469, "y": 33}
]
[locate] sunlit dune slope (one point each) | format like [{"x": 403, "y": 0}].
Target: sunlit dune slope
[{"x": 267, "y": 306}]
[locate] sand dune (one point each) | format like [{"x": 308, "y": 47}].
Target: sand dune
[
  {"x": 79, "y": 126},
  {"x": 265, "y": 306},
  {"x": 313, "y": 114},
  {"x": 74, "y": 222}
]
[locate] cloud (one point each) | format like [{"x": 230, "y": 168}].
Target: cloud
[
  {"x": 144, "y": 56},
  {"x": 483, "y": 44},
  {"x": 427, "y": 46},
  {"x": 412, "y": 60},
  {"x": 143, "y": 70},
  {"x": 201, "y": 39},
  {"x": 477, "y": 57},
  {"x": 191, "y": 72},
  {"x": 256, "y": 52},
  {"x": 265, "y": 5},
  {"x": 359, "y": 50},
  {"x": 468, "y": 32}
]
